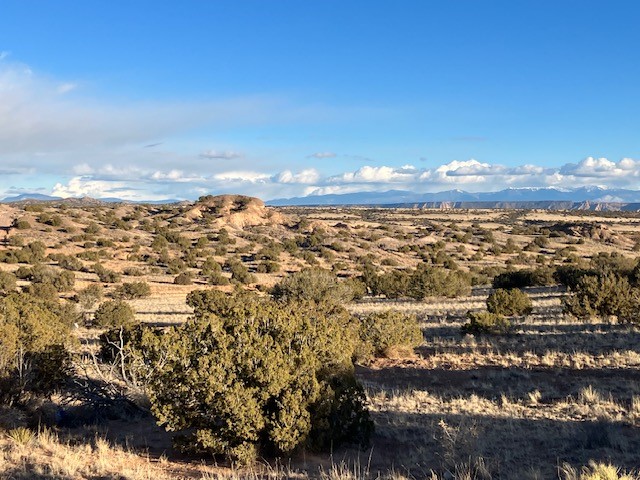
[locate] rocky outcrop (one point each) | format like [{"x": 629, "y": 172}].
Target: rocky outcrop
[{"x": 235, "y": 211}]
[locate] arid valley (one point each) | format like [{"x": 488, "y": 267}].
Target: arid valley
[{"x": 550, "y": 393}]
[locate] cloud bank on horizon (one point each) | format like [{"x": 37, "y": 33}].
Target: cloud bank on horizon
[
  {"x": 471, "y": 175},
  {"x": 57, "y": 138}
]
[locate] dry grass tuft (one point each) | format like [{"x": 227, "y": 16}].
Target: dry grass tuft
[
  {"x": 29, "y": 455},
  {"x": 21, "y": 436},
  {"x": 595, "y": 471}
]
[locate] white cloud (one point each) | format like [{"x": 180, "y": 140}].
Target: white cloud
[
  {"x": 242, "y": 176},
  {"x": 473, "y": 175},
  {"x": 175, "y": 176},
  {"x": 602, "y": 168},
  {"x": 527, "y": 170},
  {"x": 307, "y": 176},
  {"x": 66, "y": 87},
  {"x": 136, "y": 183},
  {"x": 322, "y": 155},
  {"x": 469, "y": 168},
  {"x": 369, "y": 174},
  {"x": 4, "y": 54},
  {"x": 82, "y": 169},
  {"x": 109, "y": 171},
  {"x": 337, "y": 189},
  {"x": 81, "y": 187},
  {"x": 222, "y": 155},
  {"x": 466, "y": 172}
]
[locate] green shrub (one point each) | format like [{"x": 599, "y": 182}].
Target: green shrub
[
  {"x": 34, "y": 207},
  {"x": 105, "y": 275},
  {"x": 389, "y": 262},
  {"x": 133, "y": 272},
  {"x": 393, "y": 284},
  {"x": 202, "y": 242},
  {"x": 45, "y": 291},
  {"x": 118, "y": 340},
  {"x": 136, "y": 349},
  {"x": 8, "y": 283},
  {"x": 220, "y": 250},
  {"x": 313, "y": 285},
  {"x": 340, "y": 414},
  {"x": 510, "y": 246},
  {"x": 270, "y": 252},
  {"x": 268, "y": 266},
  {"x": 239, "y": 272},
  {"x": 357, "y": 287},
  {"x": 524, "y": 278},
  {"x": 34, "y": 325},
  {"x": 427, "y": 281},
  {"x": 49, "y": 367},
  {"x": 129, "y": 291},
  {"x": 509, "y": 302},
  {"x": 33, "y": 337},
  {"x": 217, "y": 278},
  {"x": 64, "y": 281},
  {"x": 21, "y": 224},
  {"x": 70, "y": 263},
  {"x": 61, "y": 281},
  {"x": 570, "y": 275},
  {"x": 16, "y": 241},
  {"x": 238, "y": 381},
  {"x": 184, "y": 278},
  {"x": 209, "y": 266},
  {"x": 105, "y": 242},
  {"x": 309, "y": 257},
  {"x": 176, "y": 265},
  {"x": 223, "y": 237},
  {"x": 32, "y": 253},
  {"x": 89, "y": 296},
  {"x": 159, "y": 243},
  {"x": 48, "y": 219},
  {"x": 92, "y": 228},
  {"x": 485, "y": 322},
  {"x": 423, "y": 282},
  {"x": 91, "y": 255},
  {"x": 604, "y": 295},
  {"x": 114, "y": 313},
  {"x": 383, "y": 333},
  {"x": 23, "y": 273},
  {"x": 614, "y": 262}
]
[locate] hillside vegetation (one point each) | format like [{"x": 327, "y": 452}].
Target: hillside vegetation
[{"x": 138, "y": 341}]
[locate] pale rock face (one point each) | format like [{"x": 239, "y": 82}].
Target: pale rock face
[{"x": 235, "y": 211}]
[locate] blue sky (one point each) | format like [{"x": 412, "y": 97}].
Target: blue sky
[{"x": 284, "y": 98}]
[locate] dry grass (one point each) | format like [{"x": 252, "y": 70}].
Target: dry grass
[
  {"x": 596, "y": 471},
  {"x": 43, "y": 455},
  {"x": 555, "y": 390},
  {"x": 589, "y": 404},
  {"x": 28, "y": 455}
]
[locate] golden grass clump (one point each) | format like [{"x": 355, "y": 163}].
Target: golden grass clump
[
  {"x": 596, "y": 471},
  {"x": 25, "y": 454}
]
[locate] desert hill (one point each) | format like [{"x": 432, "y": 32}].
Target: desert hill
[{"x": 235, "y": 211}]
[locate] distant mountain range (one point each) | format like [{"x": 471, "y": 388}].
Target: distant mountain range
[
  {"x": 501, "y": 199},
  {"x": 584, "y": 198},
  {"x": 38, "y": 197}
]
